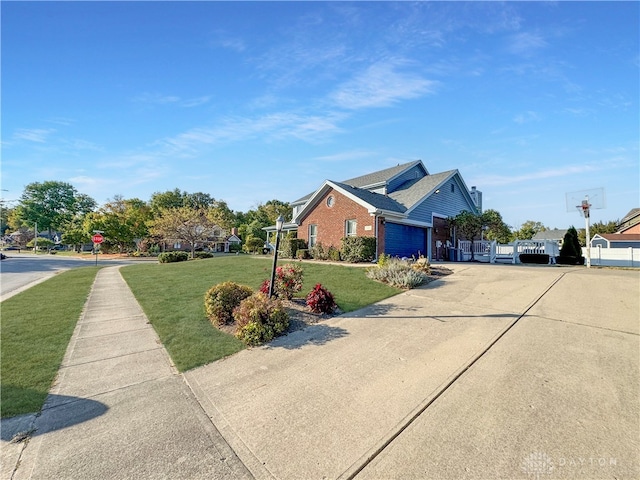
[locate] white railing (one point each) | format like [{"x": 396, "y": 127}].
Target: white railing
[{"x": 484, "y": 250}]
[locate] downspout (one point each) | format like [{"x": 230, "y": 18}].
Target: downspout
[{"x": 375, "y": 220}]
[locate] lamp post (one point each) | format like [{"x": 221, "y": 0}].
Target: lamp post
[{"x": 279, "y": 224}]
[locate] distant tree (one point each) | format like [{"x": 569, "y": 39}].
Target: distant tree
[
  {"x": 123, "y": 221},
  {"x": 51, "y": 204},
  {"x": 528, "y": 229},
  {"x": 164, "y": 200},
  {"x": 220, "y": 214},
  {"x": 183, "y": 224},
  {"x": 598, "y": 227},
  {"x": 252, "y": 244},
  {"x": 495, "y": 227}
]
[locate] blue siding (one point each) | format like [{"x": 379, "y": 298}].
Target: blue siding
[
  {"x": 404, "y": 240},
  {"x": 411, "y": 174},
  {"x": 444, "y": 203}
]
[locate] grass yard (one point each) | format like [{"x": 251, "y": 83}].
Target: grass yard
[
  {"x": 172, "y": 296},
  {"x": 37, "y": 325}
]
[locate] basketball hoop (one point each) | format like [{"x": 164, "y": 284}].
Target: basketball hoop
[{"x": 584, "y": 208}]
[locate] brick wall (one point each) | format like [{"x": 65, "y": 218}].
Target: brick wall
[{"x": 331, "y": 221}]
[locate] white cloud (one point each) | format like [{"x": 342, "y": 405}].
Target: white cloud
[
  {"x": 526, "y": 43},
  {"x": 346, "y": 156},
  {"x": 526, "y": 117},
  {"x": 381, "y": 85},
  {"x": 497, "y": 180},
  {"x": 38, "y": 135}
]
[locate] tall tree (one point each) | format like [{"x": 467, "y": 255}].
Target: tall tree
[
  {"x": 123, "y": 221},
  {"x": 528, "y": 229},
  {"x": 183, "y": 224},
  {"x": 52, "y": 204},
  {"x": 496, "y": 229}
]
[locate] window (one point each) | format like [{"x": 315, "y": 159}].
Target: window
[
  {"x": 313, "y": 234},
  {"x": 351, "y": 228},
  {"x": 453, "y": 188},
  {"x": 330, "y": 201}
]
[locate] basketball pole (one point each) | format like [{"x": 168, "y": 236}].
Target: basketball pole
[{"x": 585, "y": 210}]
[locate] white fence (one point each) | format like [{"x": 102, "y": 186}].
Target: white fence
[
  {"x": 492, "y": 252},
  {"x": 614, "y": 257}
]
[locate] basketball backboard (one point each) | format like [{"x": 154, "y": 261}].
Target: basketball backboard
[{"x": 585, "y": 200}]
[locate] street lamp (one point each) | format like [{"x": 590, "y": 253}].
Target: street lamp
[{"x": 279, "y": 224}]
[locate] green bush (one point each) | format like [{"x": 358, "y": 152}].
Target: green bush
[
  {"x": 318, "y": 252},
  {"x": 259, "y": 319},
  {"x": 290, "y": 246},
  {"x": 302, "y": 254},
  {"x": 221, "y": 299},
  {"x": 358, "y": 249},
  {"x": 397, "y": 273},
  {"x": 203, "y": 255},
  {"x": 571, "y": 251},
  {"x": 170, "y": 257},
  {"x": 235, "y": 247},
  {"x": 334, "y": 254}
]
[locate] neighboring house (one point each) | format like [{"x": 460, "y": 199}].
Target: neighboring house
[
  {"x": 219, "y": 241},
  {"x": 630, "y": 224},
  {"x": 616, "y": 240},
  {"x": 404, "y": 207},
  {"x": 556, "y": 235}
]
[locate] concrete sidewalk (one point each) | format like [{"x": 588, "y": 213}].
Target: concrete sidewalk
[{"x": 118, "y": 408}]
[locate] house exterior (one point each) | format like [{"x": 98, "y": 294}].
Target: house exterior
[
  {"x": 403, "y": 207},
  {"x": 616, "y": 240},
  {"x": 555, "y": 235},
  {"x": 630, "y": 224}
]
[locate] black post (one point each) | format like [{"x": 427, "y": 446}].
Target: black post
[{"x": 275, "y": 260}]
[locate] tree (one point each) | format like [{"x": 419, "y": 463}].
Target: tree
[
  {"x": 51, "y": 204},
  {"x": 163, "y": 200},
  {"x": 598, "y": 227},
  {"x": 571, "y": 251},
  {"x": 183, "y": 224},
  {"x": 528, "y": 229},
  {"x": 496, "y": 229},
  {"x": 469, "y": 226}
]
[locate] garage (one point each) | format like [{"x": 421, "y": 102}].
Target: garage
[{"x": 405, "y": 240}]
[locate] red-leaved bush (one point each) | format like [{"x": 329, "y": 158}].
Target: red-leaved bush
[
  {"x": 288, "y": 281},
  {"x": 320, "y": 300}
]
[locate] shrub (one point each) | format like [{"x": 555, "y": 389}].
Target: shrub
[
  {"x": 170, "y": 257},
  {"x": 397, "y": 273},
  {"x": 537, "y": 258},
  {"x": 302, "y": 253},
  {"x": 358, "y": 249},
  {"x": 422, "y": 265},
  {"x": 318, "y": 252},
  {"x": 288, "y": 281},
  {"x": 221, "y": 299},
  {"x": 260, "y": 319},
  {"x": 290, "y": 246},
  {"x": 333, "y": 254},
  {"x": 571, "y": 251},
  {"x": 203, "y": 255},
  {"x": 320, "y": 300}
]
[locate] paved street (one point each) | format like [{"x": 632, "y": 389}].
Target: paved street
[{"x": 22, "y": 270}]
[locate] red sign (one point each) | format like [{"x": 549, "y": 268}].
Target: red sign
[{"x": 97, "y": 238}]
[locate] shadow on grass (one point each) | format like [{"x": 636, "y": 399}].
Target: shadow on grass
[
  {"x": 59, "y": 412},
  {"x": 312, "y": 335}
]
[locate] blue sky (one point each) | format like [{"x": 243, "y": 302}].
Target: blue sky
[{"x": 251, "y": 101}]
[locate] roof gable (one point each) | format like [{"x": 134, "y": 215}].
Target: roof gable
[{"x": 383, "y": 177}]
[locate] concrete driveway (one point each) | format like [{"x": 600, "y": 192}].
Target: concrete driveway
[{"x": 498, "y": 371}]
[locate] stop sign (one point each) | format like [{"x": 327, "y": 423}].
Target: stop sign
[{"x": 97, "y": 238}]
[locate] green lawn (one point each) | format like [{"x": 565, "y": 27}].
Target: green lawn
[
  {"x": 172, "y": 296},
  {"x": 37, "y": 325}
]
